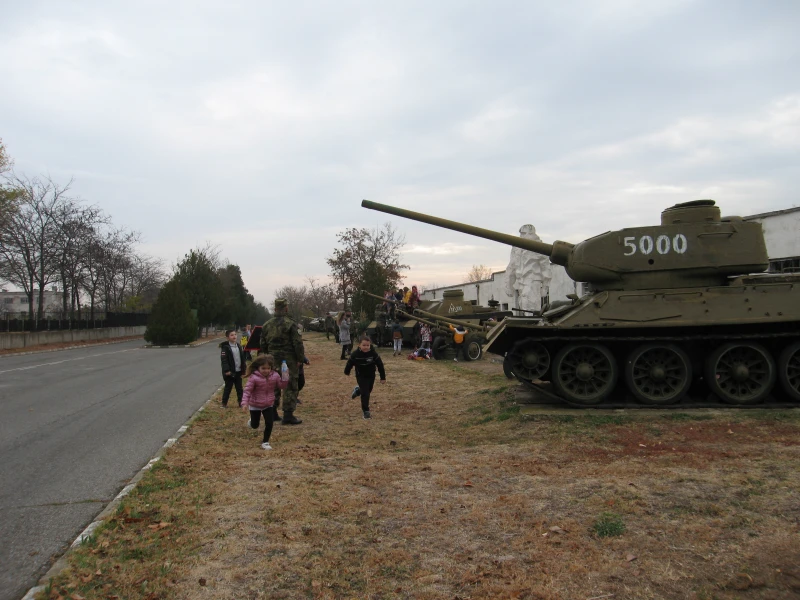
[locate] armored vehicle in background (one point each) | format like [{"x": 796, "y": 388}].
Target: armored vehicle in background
[
  {"x": 680, "y": 306},
  {"x": 452, "y": 307}
]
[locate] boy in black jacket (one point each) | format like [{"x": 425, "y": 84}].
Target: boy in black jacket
[
  {"x": 233, "y": 366},
  {"x": 365, "y": 360}
]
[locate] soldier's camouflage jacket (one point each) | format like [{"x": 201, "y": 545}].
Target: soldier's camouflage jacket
[{"x": 280, "y": 337}]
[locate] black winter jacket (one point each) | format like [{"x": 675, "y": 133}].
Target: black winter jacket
[
  {"x": 226, "y": 357},
  {"x": 365, "y": 364}
]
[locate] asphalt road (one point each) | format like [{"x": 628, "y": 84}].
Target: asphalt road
[{"x": 76, "y": 426}]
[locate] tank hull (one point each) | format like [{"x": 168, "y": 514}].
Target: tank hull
[{"x": 737, "y": 345}]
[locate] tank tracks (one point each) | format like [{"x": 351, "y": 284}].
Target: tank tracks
[{"x": 698, "y": 395}]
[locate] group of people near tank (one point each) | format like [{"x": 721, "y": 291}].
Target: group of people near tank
[
  {"x": 275, "y": 376},
  {"x": 408, "y": 298}
]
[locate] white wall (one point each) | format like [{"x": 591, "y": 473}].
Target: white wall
[
  {"x": 494, "y": 288},
  {"x": 36, "y": 338},
  {"x": 781, "y": 232}
]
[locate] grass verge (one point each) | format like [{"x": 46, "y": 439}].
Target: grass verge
[{"x": 448, "y": 493}]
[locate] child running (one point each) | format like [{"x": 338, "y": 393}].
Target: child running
[
  {"x": 365, "y": 360},
  {"x": 259, "y": 393}
]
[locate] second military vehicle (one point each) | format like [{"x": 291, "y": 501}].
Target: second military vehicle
[{"x": 680, "y": 306}]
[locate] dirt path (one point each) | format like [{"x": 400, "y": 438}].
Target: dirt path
[{"x": 448, "y": 493}]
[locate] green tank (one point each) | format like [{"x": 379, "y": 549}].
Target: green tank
[
  {"x": 678, "y": 313},
  {"x": 452, "y": 308},
  {"x": 380, "y": 328}
]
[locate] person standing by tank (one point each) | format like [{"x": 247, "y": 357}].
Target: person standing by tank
[
  {"x": 280, "y": 337},
  {"x": 397, "y": 338},
  {"x": 413, "y": 299},
  {"x": 344, "y": 334},
  {"x": 425, "y": 336},
  {"x": 459, "y": 333}
]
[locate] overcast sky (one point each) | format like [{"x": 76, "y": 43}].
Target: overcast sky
[{"x": 260, "y": 126}]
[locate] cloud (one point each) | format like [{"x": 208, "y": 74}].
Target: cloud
[
  {"x": 439, "y": 250},
  {"x": 262, "y": 126}
]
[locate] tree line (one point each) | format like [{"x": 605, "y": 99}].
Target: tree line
[
  {"x": 202, "y": 290},
  {"x": 49, "y": 237}
]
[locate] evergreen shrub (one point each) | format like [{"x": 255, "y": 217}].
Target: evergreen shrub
[{"x": 171, "y": 321}]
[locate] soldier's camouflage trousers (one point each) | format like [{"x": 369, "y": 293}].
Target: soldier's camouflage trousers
[{"x": 287, "y": 399}]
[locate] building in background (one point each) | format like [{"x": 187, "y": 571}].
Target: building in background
[
  {"x": 781, "y": 233},
  {"x": 13, "y": 303}
]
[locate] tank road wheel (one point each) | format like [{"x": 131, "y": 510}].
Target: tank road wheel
[
  {"x": 658, "y": 374},
  {"x": 584, "y": 374},
  {"x": 789, "y": 371},
  {"x": 529, "y": 359},
  {"x": 740, "y": 373},
  {"x": 472, "y": 348},
  {"x": 438, "y": 347}
]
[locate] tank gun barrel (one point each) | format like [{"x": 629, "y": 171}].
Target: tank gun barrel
[
  {"x": 557, "y": 252},
  {"x": 381, "y": 298},
  {"x": 431, "y": 323},
  {"x": 448, "y": 320}
]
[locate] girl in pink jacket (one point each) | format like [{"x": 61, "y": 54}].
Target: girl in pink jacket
[{"x": 259, "y": 393}]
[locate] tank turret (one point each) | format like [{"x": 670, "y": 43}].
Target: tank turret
[{"x": 693, "y": 246}]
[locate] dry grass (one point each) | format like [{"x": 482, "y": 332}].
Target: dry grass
[{"x": 449, "y": 493}]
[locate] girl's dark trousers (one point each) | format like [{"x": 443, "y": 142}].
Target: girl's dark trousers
[
  {"x": 365, "y": 384},
  {"x": 255, "y": 416},
  {"x": 346, "y": 348}
]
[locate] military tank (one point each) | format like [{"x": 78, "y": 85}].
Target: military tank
[
  {"x": 679, "y": 313},
  {"x": 450, "y": 308}
]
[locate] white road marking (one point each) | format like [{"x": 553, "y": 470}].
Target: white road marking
[{"x": 58, "y": 362}]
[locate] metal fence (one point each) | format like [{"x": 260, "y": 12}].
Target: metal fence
[{"x": 8, "y": 324}]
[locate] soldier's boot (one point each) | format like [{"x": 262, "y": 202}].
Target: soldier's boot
[{"x": 290, "y": 419}]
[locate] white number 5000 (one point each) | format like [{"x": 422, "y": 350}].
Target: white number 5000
[{"x": 662, "y": 244}]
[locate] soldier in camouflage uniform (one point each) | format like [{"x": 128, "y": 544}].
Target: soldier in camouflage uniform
[{"x": 280, "y": 337}]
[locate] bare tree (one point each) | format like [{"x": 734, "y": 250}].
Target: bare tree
[
  {"x": 297, "y": 297},
  {"x": 321, "y": 298},
  {"x": 77, "y": 225},
  {"x": 479, "y": 273},
  {"x": 5, "y": 160},
  {"x": 147, "y": 275},
  {"x": 29, "y": 248},
  {"x": 362, "y": 249}
]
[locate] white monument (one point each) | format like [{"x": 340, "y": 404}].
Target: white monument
[{"x": 528, "y": 274}]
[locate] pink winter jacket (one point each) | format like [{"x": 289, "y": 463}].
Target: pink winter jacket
[{"x": 259, "y": 393}]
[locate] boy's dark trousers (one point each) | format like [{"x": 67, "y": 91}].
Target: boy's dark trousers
[
  {"x": 230, "y": 381},
  {"x": 365, "y": 384},
  {"x": 255, "y": 417},
  {"x": 346, "y": 348},
  {"x": 460, "y": 350}
]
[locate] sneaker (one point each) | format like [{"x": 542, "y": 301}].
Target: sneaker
[
  {"x": 356, "y": 393},
  {"x": 455, "y": 359},
  {"x": 266, "y": 446},
  {"x": 367, "y": 415}
]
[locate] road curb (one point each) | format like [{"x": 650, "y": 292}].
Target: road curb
[
  {"x": 63, "y": 561},
  {"x": 152, "y": 347}
]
